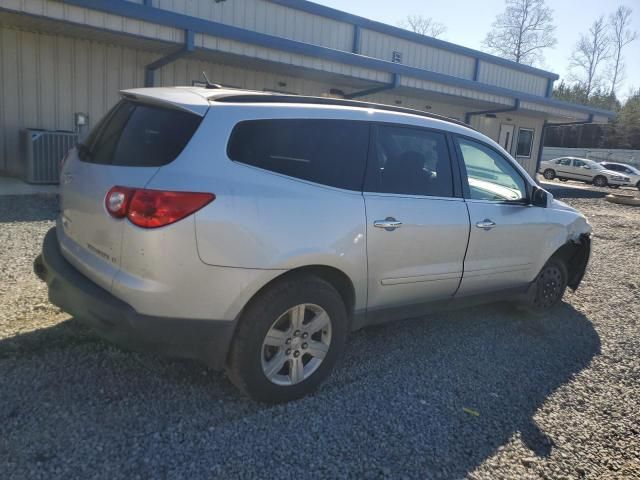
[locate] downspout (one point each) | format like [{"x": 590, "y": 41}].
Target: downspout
[
  {"x": 394, "y": 84},
  {"x": 544, "y": 130},
  {"x": 468, "y": 115},
  {"x": 187, "y": 48}
]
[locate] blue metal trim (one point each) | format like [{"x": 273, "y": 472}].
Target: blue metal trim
[
  {"x": 177, "y": 20},
  {"x": 148, "y": 3},
  {"x": 468, "y": 115},
  {"x": 476, "y": 70},
  {"x": 549, "y": 92},
  {"x": 356, "y": 39},
  {"x": 394, "y": 84},
  {"x": 189, "y": 46},
  {"x": 341, "y": 16}
]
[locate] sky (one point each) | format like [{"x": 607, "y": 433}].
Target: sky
[{"x": 468, "y": 21}]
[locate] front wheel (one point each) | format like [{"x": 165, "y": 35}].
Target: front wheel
[
  {"x": 600, "y": 181},
  {"x": 549, "y": 174},
  {"x": 288, "y": 340},
  {"x": 548, "y": 287}
]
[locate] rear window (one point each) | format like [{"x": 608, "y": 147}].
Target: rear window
[
  {"x": 138, "y": 135},
  {"x": 330, "y": 152}
]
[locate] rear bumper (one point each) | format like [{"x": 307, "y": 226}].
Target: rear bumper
[{"x": 114, "y": 320}]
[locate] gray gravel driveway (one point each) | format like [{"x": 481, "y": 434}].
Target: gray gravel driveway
[{"x": 480, "y": 393}]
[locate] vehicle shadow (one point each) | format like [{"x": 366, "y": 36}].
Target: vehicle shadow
[{"x": 422, "y": 398}]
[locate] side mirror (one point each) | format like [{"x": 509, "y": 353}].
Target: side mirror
[
  {"x": 540, "y": 197},
  {"x": 587, "y": 167}
]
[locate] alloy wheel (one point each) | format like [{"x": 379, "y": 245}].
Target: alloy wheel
[{"x": 296, "y": 344}]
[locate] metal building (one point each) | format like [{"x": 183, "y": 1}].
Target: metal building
[{"x": 60, "y": 58}]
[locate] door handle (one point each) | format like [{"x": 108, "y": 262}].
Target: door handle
[
  {"x": 486, "y": 224},
  {"x": 389, "y": 224}
]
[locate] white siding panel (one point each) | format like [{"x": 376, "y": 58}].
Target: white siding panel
[
  {"x": 569, "y": 115},
  {"x": 46, "y": 78},
  {"x": 382, "y": 46},
  {"x": 512, "y": 79},
  {"x": 269, "y": 18},
  {"x": 450, "y": 90}
]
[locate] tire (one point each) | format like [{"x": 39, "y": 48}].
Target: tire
[
  {"x": 266, "y": 369},
  {"x": 564, "y": 179},
  {"x": 549, "y": 174},
  {"x": 600, "y": 181},
  {"x": 615, "y": 187},
  {"x": 548, "y": 287}
]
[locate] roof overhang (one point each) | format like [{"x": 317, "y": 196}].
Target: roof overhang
[{"x": 534, "y": 104}]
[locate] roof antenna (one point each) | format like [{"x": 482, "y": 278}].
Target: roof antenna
[{"x": 208, "y": 84}]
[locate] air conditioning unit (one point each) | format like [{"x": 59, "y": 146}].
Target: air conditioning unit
[{"x": 42, "y": 151}]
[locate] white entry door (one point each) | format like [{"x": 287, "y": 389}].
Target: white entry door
[{"x": 506, "y": 136}]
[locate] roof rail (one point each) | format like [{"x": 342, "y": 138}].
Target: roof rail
[{"x": 300, "y": 99}]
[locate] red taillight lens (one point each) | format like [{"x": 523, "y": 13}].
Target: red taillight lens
[
  {"x": 117, "y": 201},
  {"x": 154, "y": 208}
]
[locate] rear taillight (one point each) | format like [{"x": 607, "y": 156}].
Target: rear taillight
[
  {"x": 117, "y": 201},
  {"x": 154, "y": 208}
]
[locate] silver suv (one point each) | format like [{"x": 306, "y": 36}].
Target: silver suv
[{"x": 254, "y": 231}]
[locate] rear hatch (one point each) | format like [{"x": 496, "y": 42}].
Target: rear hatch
[{"x": 127, "y": 147}]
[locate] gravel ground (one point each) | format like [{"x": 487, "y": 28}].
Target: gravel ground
[{"x": 483, "y": 393}]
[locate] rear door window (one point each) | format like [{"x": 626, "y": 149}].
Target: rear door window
[
  {"x": 329, "y": 152},
  {"x": 410, "y": 161},
  {"x": 138, "y": 135}
]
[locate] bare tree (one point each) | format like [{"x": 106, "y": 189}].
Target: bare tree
[
  {"x": 591, "y": 50},
  {"x": 522, "y": 31},
  {"x": 621, "y": 36},
  {"x": 423, "y": 25}
]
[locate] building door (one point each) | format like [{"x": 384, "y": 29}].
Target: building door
[{"x": 506, "y": 136}]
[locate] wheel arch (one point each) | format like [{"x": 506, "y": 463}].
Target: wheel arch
[
  {"x": 332, "y": 275},
  {"x": 575, "y": 254}
]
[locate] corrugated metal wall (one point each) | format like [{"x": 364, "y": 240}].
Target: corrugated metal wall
[
  {"x": 512, "y": 79},
  {"x": 379, "y": 45},
  {"x": 47, "y": 78},
  {"x": 266, "y": 17}
]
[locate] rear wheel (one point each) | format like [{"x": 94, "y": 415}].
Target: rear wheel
[
  {"x": 549, "y": 174},
  {"x": 600, "y": 181},
  {"x": 549, "y": 286},
  {"x": 288, "y": 340}
]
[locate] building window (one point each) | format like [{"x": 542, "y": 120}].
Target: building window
[{"x": 525, "y": 142}]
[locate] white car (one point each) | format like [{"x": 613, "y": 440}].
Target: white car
[
  {"x": 624, "y": 169},
  {"x": 582, "y": 169}
]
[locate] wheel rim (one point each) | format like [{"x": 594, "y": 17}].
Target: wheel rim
[
  {"x": 600, "y": 182},
  {"x": 548, "y": 175},
  {"x": 550, "y": 286},
  {"x": 296, "y": 344}
]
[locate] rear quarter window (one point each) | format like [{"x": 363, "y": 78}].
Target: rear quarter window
[
  {"x": 138, "y": 135},
  {"x": 329, "y": 152}
]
